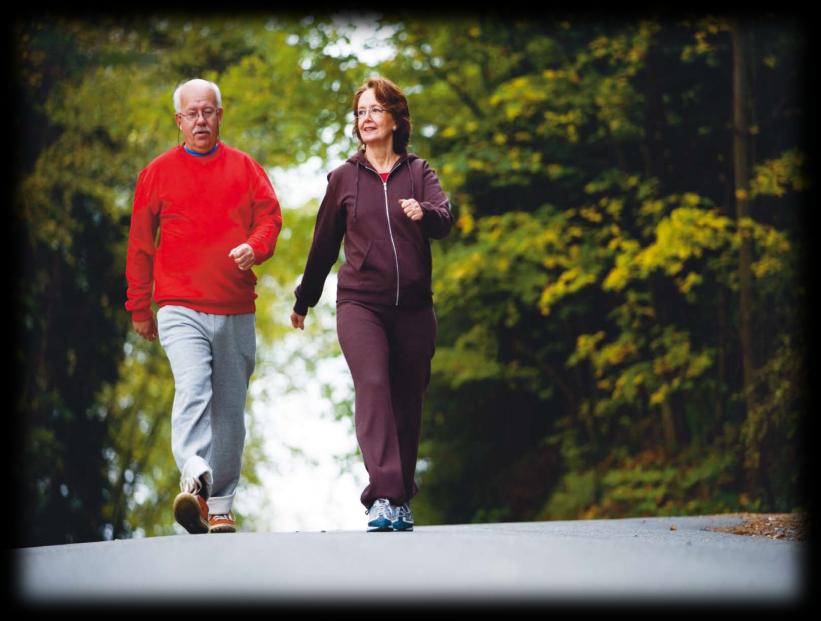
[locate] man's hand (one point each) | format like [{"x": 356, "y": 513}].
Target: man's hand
[
  {"x": 298, "y": 321},
  {"x": 243, "y": 256},
  {"x": 146, "y": 329}
]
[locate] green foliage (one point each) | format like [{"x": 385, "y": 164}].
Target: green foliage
[
  {"x": 593, "y": 275},
  {"x": 96, "y": 107},
  {"x": 588, "y": 358}
]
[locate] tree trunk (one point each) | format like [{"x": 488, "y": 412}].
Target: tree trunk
[{"x": 742, "y": 174}]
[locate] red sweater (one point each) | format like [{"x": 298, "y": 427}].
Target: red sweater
[{"x": 204, "y": 207}]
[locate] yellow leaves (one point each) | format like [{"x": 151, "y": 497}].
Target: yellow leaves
[
  {"x": 466, "y": 222},
  {"x": 599, "y": 46},
  {"x": 574, "y": 232},
  {"x": 623, "y": 270},
  {"x": 651, "y": 207},
  {"x": 565, "y": 118},
  {"x": 512, "y": 110},
  {"x": 686, "y": 284},
  {"x": 777, "y": 176},
  {"x": 690, "y": 199},
  {"x": 588, "y": 213},
  {"x": 570, "y": 281},
  {"x": 476, "y": 164},
  {"x": 616, "y": 353},
  {"x": 636, "y": 54},
  {"x": 740, "y": 194},
  {"x": 614, "y": 207},
  {"x": 468, "y": 268},
  {"x": 659, "y": 396},
  {"x": 586, "y": 343},
  {"x": 766, "y": 267}
]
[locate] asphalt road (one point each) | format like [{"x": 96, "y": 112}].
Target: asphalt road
[{"x": 640, "y": 560}]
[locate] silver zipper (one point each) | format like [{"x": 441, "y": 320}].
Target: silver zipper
[{"x": 390, "y": 232}]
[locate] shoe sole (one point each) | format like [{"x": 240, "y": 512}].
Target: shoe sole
[
  {"x": 187, "y": 513},
  {"x": 223, "y": 528},
  {"x": 402, "y": 527},
  {"x": 379, "y": 525}
]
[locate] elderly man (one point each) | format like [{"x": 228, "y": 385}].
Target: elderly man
[{"x": 217, "y": 215}]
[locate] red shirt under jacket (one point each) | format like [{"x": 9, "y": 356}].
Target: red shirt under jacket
[{"x": 204, "y": 207}]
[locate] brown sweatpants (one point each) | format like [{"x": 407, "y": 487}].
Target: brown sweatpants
[{"x": 389, "y": 352}]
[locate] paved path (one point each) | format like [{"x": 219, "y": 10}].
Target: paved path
[{"x": 628, "y": 560}]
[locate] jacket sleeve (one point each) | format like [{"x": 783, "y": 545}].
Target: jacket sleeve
[
  {"x": 328, "y": 233},
  {"x": 267, "y": 217},
  {"x": 437, "y": 218},
  {"x": 139, "y": 266}
]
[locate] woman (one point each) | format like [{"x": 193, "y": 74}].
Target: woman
[{"x": 386, "y": 204}]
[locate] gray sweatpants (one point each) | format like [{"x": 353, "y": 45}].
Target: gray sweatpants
[{"x": 212, "y": 358}]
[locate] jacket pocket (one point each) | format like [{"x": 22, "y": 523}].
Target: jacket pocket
[
  {"x": 414, "y": 267},
  {"x": 375, "y": 270}
]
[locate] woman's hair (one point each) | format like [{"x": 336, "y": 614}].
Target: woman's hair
[{"x": 390, "y": 97}]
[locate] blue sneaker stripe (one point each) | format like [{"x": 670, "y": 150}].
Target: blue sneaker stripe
[{"x": 380, "y": 522}]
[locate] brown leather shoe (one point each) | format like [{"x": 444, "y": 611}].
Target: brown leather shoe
[
  {"x": 222, "y": 523},
  {"x": 191, "y": 511}
]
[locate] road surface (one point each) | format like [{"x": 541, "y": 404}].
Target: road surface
[{"x": 637, "y": 560}]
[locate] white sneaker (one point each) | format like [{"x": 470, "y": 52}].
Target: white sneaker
[
  {"x": 380, "y": 515},
  {"x": 403, "y": 518}
]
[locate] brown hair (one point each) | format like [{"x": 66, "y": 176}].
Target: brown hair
[{"x": 391, "y": 97}]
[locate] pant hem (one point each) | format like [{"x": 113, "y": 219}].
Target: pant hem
[{"x": 220, "y": 504}]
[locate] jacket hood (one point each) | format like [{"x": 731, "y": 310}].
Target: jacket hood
[{"x": 358, "y": 159}]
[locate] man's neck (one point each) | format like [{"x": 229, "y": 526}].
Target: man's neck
[{"x": 197, "y": 153}]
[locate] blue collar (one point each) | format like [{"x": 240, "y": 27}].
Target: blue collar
[{"x": 190, "y": 152}]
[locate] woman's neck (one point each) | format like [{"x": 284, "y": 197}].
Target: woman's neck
[{"x": 382, "y": 158}]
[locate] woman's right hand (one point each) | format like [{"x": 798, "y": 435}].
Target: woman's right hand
[{"x": 297, "y": 321}]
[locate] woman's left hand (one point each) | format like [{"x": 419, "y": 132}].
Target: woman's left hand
[{"x": 411, "y": 208}]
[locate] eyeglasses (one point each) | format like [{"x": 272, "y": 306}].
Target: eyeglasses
[
  {"x": 376, "y": 112},
  {"x": 191, "y": 115}
]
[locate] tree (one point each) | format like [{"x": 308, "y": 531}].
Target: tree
[
  {"x": 590, "y": 165},
  {"x": 96, "y": 107}
]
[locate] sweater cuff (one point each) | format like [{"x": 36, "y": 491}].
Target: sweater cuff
[
  {"x": 142, "y": 314},
  {"x": 300, "y": 308},
  {"x": 258, "y": 252}
]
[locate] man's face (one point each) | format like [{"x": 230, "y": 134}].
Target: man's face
[{"x": 199, "y": 117}]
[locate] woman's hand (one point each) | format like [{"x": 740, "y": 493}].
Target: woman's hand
[
  {"x": 297, "y": 321},
  {"x": 411, "y": 208}
]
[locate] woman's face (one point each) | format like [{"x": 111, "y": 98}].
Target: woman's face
[{"x": 375, "y": 124}]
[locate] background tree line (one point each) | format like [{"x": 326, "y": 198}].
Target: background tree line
[{"x": 621, "y": 304}]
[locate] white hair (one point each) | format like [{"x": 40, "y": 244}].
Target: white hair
[{"x": 214, "y": 87}]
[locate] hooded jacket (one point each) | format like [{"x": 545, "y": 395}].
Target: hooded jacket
[{"x": 387, "y": 255}]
